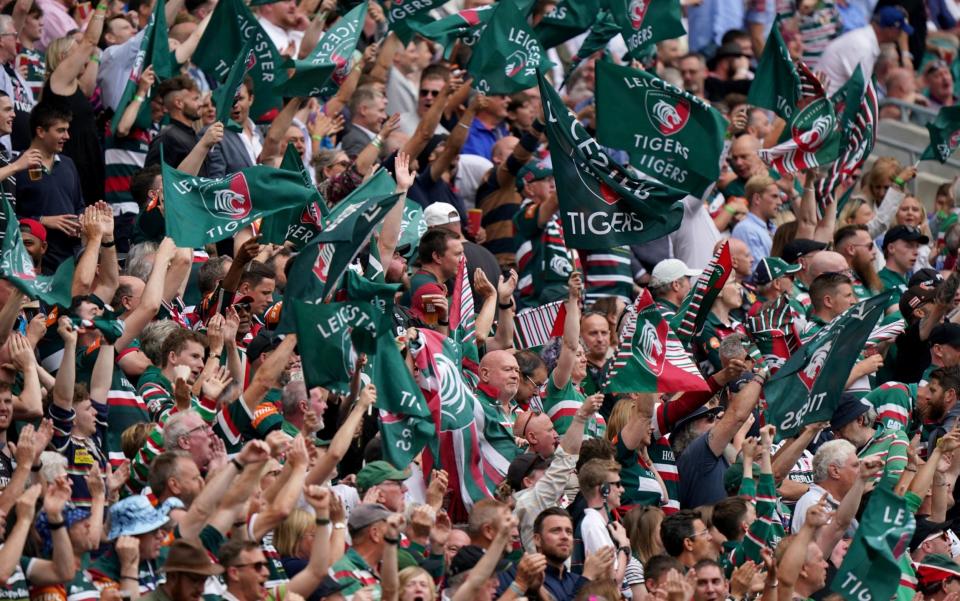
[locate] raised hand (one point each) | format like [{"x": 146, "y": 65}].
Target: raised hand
[
  {"x": 318, "y": 497},
  {"x": 253, "y": 453},
  {"x": 368, "y": 396},
  {"x": 741, "y": 579},
  {"x": 506, "y": 287},
  {"x": 218, "y": 381},
  {"x": 147, "y": 79},
  {"x": 27, "y": 502},
  {"x": 94, "y": 480},
  {"x": 481, "y": 285},
  {"x": 590, "y": 405},
  {"x": 599, "y": 564},
  {"x": 530, "y": 570},
  {"x": 21, "y": 353},
  {"x": 439, "y": 480},
  {"x": 56, "y": 497},
  {"x": 818, "y": 515},
  {"x": 213, "y": 135},
  {"x": 575, "y": 284},
  {"x": 403, "y": 173},
  {"x": 117, "y": 477},
  {"x": 297, "y": 452}
]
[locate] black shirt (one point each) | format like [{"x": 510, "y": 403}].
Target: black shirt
[
  {"x": 55, "y": 193},
  {"x": 913, "y": 355}
]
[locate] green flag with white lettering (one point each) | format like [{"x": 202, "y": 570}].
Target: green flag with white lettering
[
  {"x": 329, "y": 338},
  {"x": 202, "y": 210},
  {"x": 412, "y": 227},
  {"x": 344, "y": 233},
  {"x": 296, "y": 225},
  {"x": 871, "y": 567},
  {"x": 807, "y": 388},
  {"x": 16, "y": 265},
  {"x": 230, "y": 27},
  {"x": 603, "y": 29},
  {"x": 646, "y": 22},
  {"x": 324, "y": 71},
  {"x": 506, "y": 58},
  {"x": 944, "y": 135},
  {"x": 226, "y": 93},
  {"x": 676, "y": 138},
  {"x": 602, "y": 204},
  {"x": 780, "y": 91},
  {"x": 465, "y": 26},
  {"x": 567, "y": 19},
  {"x": 154, "y": 51},
  {"x": 401, "y": 14}
]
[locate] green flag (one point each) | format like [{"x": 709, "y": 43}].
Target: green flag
[
  {"x": 781, "y": 90},
  {"x": 871, "y": 567},
  {"x": 412, "y": 227},
  {"x": 508, "y": 55},
  {"x": 16, "y": 266},
  {"x": 646, "y": 22},
  {"x": 324, "y": 71},
  {"x": 154, "y": 50},
  {"x": 465, "y": 26},
  {"x": 944, "y": 135},
  {"x": 807, "y": 388},
  {"x": 675, "y": 137},
  {"x": 226, "y": 93},
  {"x": 296, "y": 225},
  {"x": 329, "y": 337},
  {"x": 567, "y": 19},
  {"x": 695, "y": 308},
  {"x": 202, "y": 210},
  {"x": 602, "y": 204},
  {"x": 230, "y": 27},
  {"x": 604, "y": 29},
  {"x": 345, "y": 231},
  {"x": 402, "y": 14}
]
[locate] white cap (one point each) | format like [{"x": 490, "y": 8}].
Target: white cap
[
  {"x": 441, "y": 213},
  {"x": 669, "y": 271}
]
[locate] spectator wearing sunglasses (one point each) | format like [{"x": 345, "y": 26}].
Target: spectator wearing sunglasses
[{"x": 432, "y": 81}]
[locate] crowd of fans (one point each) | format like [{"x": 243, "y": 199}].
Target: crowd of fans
[{"x": 161, "y": 440}]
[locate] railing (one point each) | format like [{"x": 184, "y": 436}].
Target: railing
[{"x": 908, "y": 110}]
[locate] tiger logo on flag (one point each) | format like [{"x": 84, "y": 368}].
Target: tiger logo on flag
[
  {"x": 232, "y": 202},
  {"x": 637, "y": 10},
  {"x": 515, "y": 63},
  {"x": 811, "y": 372},
  {"x": 649, "y": 345},
  {"x": 667, "y": 115},
  {"x": 812, "y": 126}
]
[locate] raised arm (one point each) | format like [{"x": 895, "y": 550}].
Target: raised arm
[
  {"x": 484, "y": 569},
  {"x": 341, "y": 440},
  {"x": 86, "y": 269},
  {"x": 129, "y": 117},
  {"x": 788, "y": 571},
  {"x": 9, "y": 314},
  {"x": 29, "y": 403},
  {"x": 807, "y": 215},
  {"x": 273, "y": 148},
  {"x": 192, "y": 162},
  {"x": 108, "y": 273},
  {"x": 67, "y": 374},
  {"x": 738, "y": 410},
  {"x": 506, "y": 309},
  {"x": 184, "y": 51},
  {"x": 380, "y": 71},
  {"x": 571, "y": 332},
  {"x": 428, "y": 124},
  {"x": 150, "y": 298},
  {"x": 65, "y": 77},
  {"x": 457, "y": 138},
  {"x": 61, "y": 567},
  {"x": 390, "y": 232},
  {"x": 266, "y": 376},
  {"x": 308, "y": 579},
  {"x": 279, "y": 507},
  {"x": 12, "y": 548}
]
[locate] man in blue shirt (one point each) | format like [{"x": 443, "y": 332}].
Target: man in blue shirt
[
  {"x": 553, "y": 537},
  {"x": 756, "y": 229},
  {"x": 487, "y": 127},
  {"x": 52, "y": 194}
]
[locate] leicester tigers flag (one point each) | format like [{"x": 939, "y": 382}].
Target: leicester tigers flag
[
  {"x": 330, "y": 337},
  {"x": 567, "y": 19},
  {"x": 643, "y": 23},
  {"x": 603, "y": 29},
  {"x": 298, "y": 225},
  {"x": 782, "y": 78},
  {"x": 677, "y": 138},
  {"x": 807, "y": 388},
  {"x": 602, "y": 204},
  {"x": 16, "y": 265},
  {"x": 508, "y": 55},
  {"x": 944, "y": 135},
  {"x": 651, "y": 358},
  {"x": 465, "y": 27}
]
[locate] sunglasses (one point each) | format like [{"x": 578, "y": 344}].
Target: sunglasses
[
  {"x": 431, "y": 93},
  {"x": 256, "y": 565}
]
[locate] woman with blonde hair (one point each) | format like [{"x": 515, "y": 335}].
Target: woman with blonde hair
[
  {"x": 293, "y": 538},
  {"x": 642, "y": 524},
  {"x": 416, "y": 584},
  {"x": 912, "y": 213},
  {"x": 857, "y": 211},
  {"x": 622, "y": 412},
  {"x": 878, "y": 180}
]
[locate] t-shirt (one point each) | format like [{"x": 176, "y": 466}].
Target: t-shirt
[
  {"x": 640, "y": 485},
  {"x": 562, "y": 403},
  {"x": 542, "y": 257},
  {"x": 701, "y": 474}
]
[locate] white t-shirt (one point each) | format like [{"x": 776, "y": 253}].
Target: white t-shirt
[
  {"x": 841, "y": 56},
  {"x": 594, "y": 534}
]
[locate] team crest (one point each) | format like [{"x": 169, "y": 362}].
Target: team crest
[
  {"x": 232, "y": 202},
  {"x": 667, "y": 114},
  {"x": 637, "y": 10},
  {"x": 812, "y": 126},
  {"x": 811, "y": 372},
  {"x": 515, "y": 63},
  {"x": 650, "y": 346},
  {"x": 310, "y": 215}
]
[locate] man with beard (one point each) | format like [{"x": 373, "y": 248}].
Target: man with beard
[
  {"x": 181, "y": 101},
  {"x": 553, "y": 538},
  {"x": 938, "y": 406},
  {"x": 856, "y": 246},
  {"x": 284, "y": 24},
  {"x": 853, "y": 420}
]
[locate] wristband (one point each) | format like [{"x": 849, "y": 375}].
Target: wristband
[
  {"x": 239, "y": 524},
  {"x": 139, "y": 98},
  {"x": 316, "y": 138},
  {"x": 464, "y": 126},
  {"x": 899, "y": 181},
  {"x": 377, "y": 142},
  {"x": 516, "y": 589},
  {"x": 129, "y": 578},
  {"x": 56, "y": 525},
  {"x": 110, "y": 244},
  {"x": 102, "y": 7},
  {"x": 505, "y": 306},
  {"x": 322, "y": 521},
  {"x": 729, "y": 209},
  {"x": 625, "y": 549},
  {"x": 391, "y": 541},
  {"x": 95, "y": 58},
  {"x": 237, "y": 464},
  {"x": 36, "y": 468}
]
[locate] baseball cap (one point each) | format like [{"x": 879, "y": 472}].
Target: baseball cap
[
  {"x": 521, "y": 466},
  {"x": 928, "y": 276},
  {"x": 187, "y": 556},
  {"x": 771, "y": 268},
  {"x": 946, "y": 333},
  {"x": 467, "y": 557},
  {"x": 533, "y": 171},
  {"x": 893, "y": 16},
  {"x": 907, "y": 233},
  {"x": 913, "y": 298},
  {"x": 799, "y": 247},
  {"x": 377, "y": 472},
  {"x": 441, "y": 213},
  {"x": 365, "y": 514},
  {"x": 936, "y": 568},
  {"x": 927, "y": 529},
  {"x": 669, "y": 271},
  {"x": 848, "y": 409},
  {"x": 34, "y": 228},
  {"x": 263, "y": 342}
]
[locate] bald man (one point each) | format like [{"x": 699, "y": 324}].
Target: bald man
[
  {"x": 499, "y": 380},
  {"x": 745, "y": 163}
]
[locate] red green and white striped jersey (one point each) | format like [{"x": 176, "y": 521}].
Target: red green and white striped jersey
[
  {"x": 542, "y": 255},
  {"x": 608, "y": 273},
  {"x": 891, "y": 447},
  {"x": 895, "y": 404},
  {"x": 497, "y": 444},
  {"x": 353, "y": 569},
  {"x": 765, "y": 531},
  {"x": 639, "y": 482},
  {"x": 560, "y": 404},
  {"x": 123, "y": 157}
]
